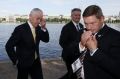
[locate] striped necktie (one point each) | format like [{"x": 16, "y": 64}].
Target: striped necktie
[{"x": 78, "y": 28}]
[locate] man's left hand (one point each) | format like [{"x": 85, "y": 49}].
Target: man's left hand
[{"x": 91, "y": 43}]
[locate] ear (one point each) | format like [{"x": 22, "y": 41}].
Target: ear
[{"x": 102, "y": 19}]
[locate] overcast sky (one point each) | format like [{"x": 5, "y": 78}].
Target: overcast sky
[{"x": 56, "y": 7}]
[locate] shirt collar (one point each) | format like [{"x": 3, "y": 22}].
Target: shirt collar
[
  {"x": 103, "y": 25},
  {"x": 75, "y": 23},
  {"x": 31, "y": 26},
  {"x": 101, "y": 28}
]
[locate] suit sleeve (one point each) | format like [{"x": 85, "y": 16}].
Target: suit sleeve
[
  {"x": 69, "y": 47},
  {"x": 108, "y": 60},
  {"x": 10, "y": 45},
  {"x": 44, "y": 35}
]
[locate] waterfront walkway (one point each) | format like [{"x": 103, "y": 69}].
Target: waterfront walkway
[{"x": 52, "y": 69}]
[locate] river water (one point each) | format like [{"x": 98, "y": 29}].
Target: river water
[{"x": 47, "y": 50}]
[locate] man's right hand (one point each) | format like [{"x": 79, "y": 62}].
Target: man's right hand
[
  {"x": 43, "y": 23},
  {"x": 85, "y": 36}
]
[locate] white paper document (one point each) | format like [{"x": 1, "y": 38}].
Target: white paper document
[{"x": 76, "y": 65}]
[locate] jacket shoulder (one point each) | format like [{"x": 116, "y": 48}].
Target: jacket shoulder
[
  {"x": 68, "y": 26},
  {"x": 113, "y": 31},
  {"x": 21, "y": 26}
]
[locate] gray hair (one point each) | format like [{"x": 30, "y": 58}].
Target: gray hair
[
  {"x": 34, "y": 10},
  {"x": 75, "y": 9}
]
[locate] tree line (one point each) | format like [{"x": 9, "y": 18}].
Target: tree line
[{"x": 58, "y": 20}]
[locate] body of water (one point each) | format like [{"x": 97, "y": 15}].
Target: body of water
[{"x": 47, "y": 50}]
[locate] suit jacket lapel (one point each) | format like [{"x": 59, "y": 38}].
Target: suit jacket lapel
[
  {"x": 29, "y": 33},
  {"x": 73, "y": 26},
  {"x": 102, "y": 32},
  {"x": 37, "y": 34},
  {"x": 81, "y": 26}
]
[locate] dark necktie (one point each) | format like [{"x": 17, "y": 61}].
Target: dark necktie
[{"x": 78, "y": 28}]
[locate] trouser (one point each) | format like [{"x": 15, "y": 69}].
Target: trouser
[{"x": 35, "y": 71}]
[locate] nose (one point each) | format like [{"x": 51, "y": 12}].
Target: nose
[{"x": 89, "y": 27}]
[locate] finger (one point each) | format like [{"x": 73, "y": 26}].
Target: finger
[{"x": 94, "y": 37}]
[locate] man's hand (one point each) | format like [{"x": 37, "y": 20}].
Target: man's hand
[
  {"x": 43, "y": 23},
  {"x": 91, "y": 43},
  {"x": 85, "y": 36}
]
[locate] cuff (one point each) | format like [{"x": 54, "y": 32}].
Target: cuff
[
  {"x": 93, "y": 51},
  {"x": 43, "y": 29},
  {"x": 81, "y": 49}
]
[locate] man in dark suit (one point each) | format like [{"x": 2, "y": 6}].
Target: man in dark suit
[
  {"x": 23, "y": 45},
  {"x": 102, "y": 45},
  {"x": 70, "y": 37}
]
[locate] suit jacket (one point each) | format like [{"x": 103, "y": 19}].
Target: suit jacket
[
  {"x": 69, "y": 40},
  {"x": 105, "y": 63},
  {"x": 21, "y": 46}
]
